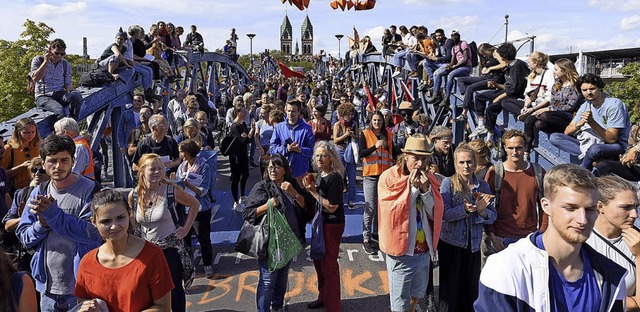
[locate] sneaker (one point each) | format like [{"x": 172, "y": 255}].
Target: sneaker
[
  {"x": 351, "y": 205},
  {"x": 478, "y": 132},
  {"x": 368, "y": 248},
  {"x": 395, "y": 74},
  {"x": 208, "y": 271},
  {"x": 444, "y": 103},
  {"x": 461, "y": 118},
  {"x": 238, "y": 207},
  {"x": 243, "y": 200}
]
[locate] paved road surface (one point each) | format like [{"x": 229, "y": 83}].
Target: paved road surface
[{"x": 363, "y": 277}]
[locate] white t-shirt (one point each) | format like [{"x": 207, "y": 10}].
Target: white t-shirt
[{"x": 596, "y": 242}]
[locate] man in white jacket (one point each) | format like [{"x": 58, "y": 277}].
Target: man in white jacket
[{"x": 556, "y": 270}]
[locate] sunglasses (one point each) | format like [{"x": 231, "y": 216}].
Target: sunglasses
[
  {"x": 38, "y": 170},
  {"x": 60, "y": 53}
]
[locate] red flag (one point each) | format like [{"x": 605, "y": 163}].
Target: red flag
[
  {"x": 407, "y": 93},
  {"x": 356, "y": 36},
  {"x": 288, "y": 73},
  {"x": 371, "y": 99}
]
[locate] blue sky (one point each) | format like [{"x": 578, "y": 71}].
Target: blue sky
[{"x": 559, "y": 25}]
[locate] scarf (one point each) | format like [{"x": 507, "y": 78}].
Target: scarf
[{"x": 184, "y": 166}]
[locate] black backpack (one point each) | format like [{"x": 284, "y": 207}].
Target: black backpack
[
  {"x": 96, "y": 78},
  {"x": 473, "y": 47}
]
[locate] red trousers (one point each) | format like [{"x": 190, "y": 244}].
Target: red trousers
[{"x": 328, "y": 270}]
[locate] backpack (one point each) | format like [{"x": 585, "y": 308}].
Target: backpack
[
  {"x": 96, "y": 78},
  {"x": 473, "y": 48},
  {"x": 537, "y": 171}
]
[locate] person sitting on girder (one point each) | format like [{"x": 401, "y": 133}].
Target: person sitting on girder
[
  {"x": 194, "y": 40},
  {"x": 230, "y": 50},
  {"x": 113, "y": 58},
  {"x": 53, "y": 88},
  {"x": 408, "y": 44}
]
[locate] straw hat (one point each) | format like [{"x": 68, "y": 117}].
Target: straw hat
[
  {"x": 405, "y": 105},
  {"x": 418, "y": 144}
]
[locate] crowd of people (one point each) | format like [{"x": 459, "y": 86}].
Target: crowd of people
[{"x": 504, "y": 234}]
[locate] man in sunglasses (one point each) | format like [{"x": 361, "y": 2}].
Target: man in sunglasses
[
  {"x": 406, "y": 128},
  {"x": 54, "y": 90}
]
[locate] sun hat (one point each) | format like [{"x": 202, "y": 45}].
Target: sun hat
[{"x": 418, "y": 144}]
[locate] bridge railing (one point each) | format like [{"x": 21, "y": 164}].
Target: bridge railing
[{"x": 102, "y": 107}]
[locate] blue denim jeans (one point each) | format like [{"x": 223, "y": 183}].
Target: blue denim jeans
[
  {"x": 431, "y": 66},
  {"x": 350, "y": 171},
  {"x": 413, "y": 59},
  {"x": 398, "y": 57},
  {"x": 146, "y": 73},
  {"x": 458, "y": 72},
  {"x": 272, "y": 287},
  {"x": 595, "y": 152},
  {"x": 57, "y": 303},
  {"x": 439, "y": 75},
  {"x": 61, "y": 103}
]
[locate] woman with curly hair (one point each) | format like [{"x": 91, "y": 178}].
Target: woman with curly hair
[{"x": 346, "y": 131}]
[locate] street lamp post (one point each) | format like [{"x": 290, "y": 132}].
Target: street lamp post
[
  {"x": 251, "y": 45},
  {"x": 506, "y": 27},
  {"x": 339, "y": 53}
]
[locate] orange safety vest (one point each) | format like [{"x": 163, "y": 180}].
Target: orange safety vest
[
  {"x": 87, "y": 172},
  {"x": 381, "y": 159}
]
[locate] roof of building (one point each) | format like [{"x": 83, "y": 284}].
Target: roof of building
[
  {"x": 286, "y": 25},
  {"x": 605, "y": 55},
  {"x": 306, "y": 25}
]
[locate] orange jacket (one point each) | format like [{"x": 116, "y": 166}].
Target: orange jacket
[
  {"x": 393, "y": 211},
  {"x": 87, "y": 172},
  {"x": 381, "y": 159}
]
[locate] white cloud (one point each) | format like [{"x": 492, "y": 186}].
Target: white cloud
[
  {"x": 621, "y": 5},
  {"x": 463, "y": 24},
  {"x": 630, "y": 22},
  {"x": 44, "y": 10},
  {"x": 375, "y": 34}
]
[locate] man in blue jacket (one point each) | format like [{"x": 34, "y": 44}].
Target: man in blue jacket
[
  {"x": 56, "y": 224},
  {"x": 556, "y": 270},
  {"x": 293, "y": 138}
]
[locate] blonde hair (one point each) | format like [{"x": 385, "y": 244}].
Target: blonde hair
[
  {"x": 191, "y": 122},
  {"x": 609, "y": 186},
  {"x": 569, "y": 70},
  {"x": 15, "y": 141},
  {"x": 540, "y": 59},
  {"x": 456, "y": 180},
  {"x": 569, "y": 175},
  {"x": 145, "y": 161}
]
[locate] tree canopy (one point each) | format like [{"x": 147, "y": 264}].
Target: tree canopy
[{"x": 628, "y": 91}]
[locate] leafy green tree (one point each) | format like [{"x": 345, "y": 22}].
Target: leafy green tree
[
  {"x": 628, "y": 91},
  {"x": 15, "y": 62}
]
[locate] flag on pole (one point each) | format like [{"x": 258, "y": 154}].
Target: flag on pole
[
  {"x": 371, "y": 99},
  {"x": 407, "y": 93},
  {"x": 288, "y": 72}
]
